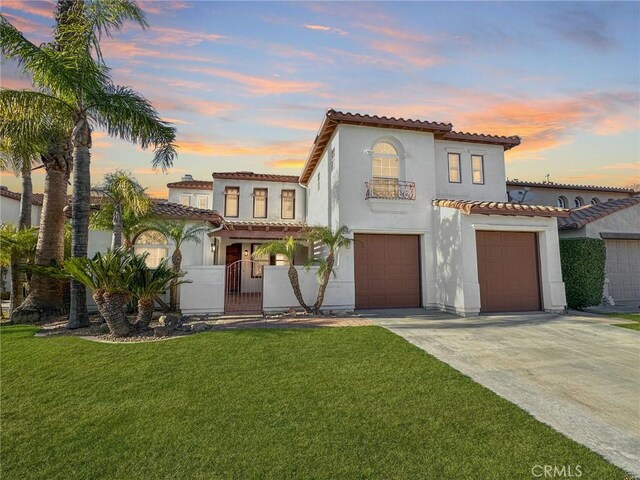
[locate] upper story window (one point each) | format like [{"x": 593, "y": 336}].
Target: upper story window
[
  {"x": 259, "y": 203},
  {"x": 578, "y": 202},
  {"x": 562, "y": 201},
  {"x": 154, "y": 244},
  {"x": 231, "y": 201},
  {"x": 454, "y": 168},
  {"x": 185, "y": 200},
  {"x": 288, "y": 204},
  {"x": 595, "y": 201},
  {"x": 203, "y": 201},
  {"x": 384, "y": 163},
  {"x": 477, "y": 169}
]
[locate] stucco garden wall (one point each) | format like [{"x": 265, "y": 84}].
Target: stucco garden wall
[{"x": 206, "y": 292}]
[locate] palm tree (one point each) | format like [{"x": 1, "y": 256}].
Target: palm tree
[
  {"x": 332, "y": 241},
  {"x": 122, "y": 194},
  {"x": 148, "y": 283},
  {"x": 288, "y": 247},
  {"x": 178, "y": 232},
  {"x": 17, "y": 248},
  {"x": 71, "y": 85}
]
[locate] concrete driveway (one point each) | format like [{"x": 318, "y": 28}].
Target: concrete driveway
[{"x": 578, "y": 374}]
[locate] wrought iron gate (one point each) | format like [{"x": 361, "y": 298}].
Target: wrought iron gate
[{"x": 243, "y": 287}]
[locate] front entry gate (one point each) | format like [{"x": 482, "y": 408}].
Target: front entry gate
[{"x": 243, "y": 287}]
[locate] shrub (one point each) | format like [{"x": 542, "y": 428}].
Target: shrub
[{"x": 583, "y": 263}]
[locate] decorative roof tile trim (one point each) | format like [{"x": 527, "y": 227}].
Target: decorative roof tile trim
[
  {"x": 441, "y": 130},
  {"x": 506, "y": 142},
  {"x": 241, "y": 223},
  {"x": 192, "y": 184},
  {"x": 579, "y": 217},
  {"x": 471, "y": 207},
  {"x": 36, "y": 198},
  {"x": 261, "y": 177},
  {"x": 526, "y": 183},
  {"x": 177, "y": 211}
]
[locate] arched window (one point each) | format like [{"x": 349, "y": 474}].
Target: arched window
[
  {"x": 155, "y": 244},
  {"x": 385, "y": 167},
  {"x": 578, "y": 202},
  {"x": 562, "y": 201},
  {"x": 595, "y": 201}
]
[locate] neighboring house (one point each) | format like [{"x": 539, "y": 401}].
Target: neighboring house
[
  {"x": 10, "y": 207},
  {"x": 429, "y": 214},
  {"x": 618, "y": 223},
  {"x": 562, "y": 194},
  {"x": 191, "y": 193}
]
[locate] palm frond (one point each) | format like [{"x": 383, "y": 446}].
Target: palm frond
[
  {"x": 178, "y": 231},
  {"x": 287, "y": 246},
  {"x": 122, "y": 188},
  {"x": 126, "y": 114}
]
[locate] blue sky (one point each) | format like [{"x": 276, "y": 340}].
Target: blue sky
[{"x": 247, "y": 83}]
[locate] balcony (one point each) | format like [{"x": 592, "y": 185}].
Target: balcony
[{"x": 389, "y": 189}]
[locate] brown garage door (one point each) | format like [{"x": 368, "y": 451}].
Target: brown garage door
[
  {"x": 508, "y": 271},
  {"x": 387, "y": 271}
]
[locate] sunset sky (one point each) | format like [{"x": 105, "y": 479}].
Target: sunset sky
[{"x": 247, "y": 83}]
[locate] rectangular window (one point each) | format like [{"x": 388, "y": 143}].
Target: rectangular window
[
  {"x": 477, "y": 167},
  {"x": 259, "y": 261},
  {"x": 231, "y": 201},
  {"x": 288, "y": 204},
  {"x": 454, "y": 168},
  {"x": 259, "y": 203},
  {"x": 203, "y": 201},
  {"x": 281, "y": 260},
  {"x": 185, "y": 200}
]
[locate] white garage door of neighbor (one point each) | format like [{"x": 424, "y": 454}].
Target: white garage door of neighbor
[{"x": 623, "y": 269}]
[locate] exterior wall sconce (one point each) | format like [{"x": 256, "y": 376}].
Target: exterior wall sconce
[
  {"x": 246, "y": 253},
  {"x": 213, "y": 248}
]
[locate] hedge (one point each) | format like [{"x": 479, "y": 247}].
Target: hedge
[{"x": 583, "y": 263}]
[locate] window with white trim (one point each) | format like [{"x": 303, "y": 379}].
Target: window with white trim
[
  {"x": 259, "y": 203},
  {"x": 185, "y": 200},
  {"x": 454, "y": 168},
  {"x": 562, "y": 201},
  {"x": 385, "y": 168},
  {"x": 595, "y": 201},
  {"x": 203, "y": 201},
  {"x": 477, "y": 169},
  {"x": 288, "y": 204},
  {"x": 578, "y": 202},
  {"x": 231, "y": 201},
  {"x": 154, "y": 244}
]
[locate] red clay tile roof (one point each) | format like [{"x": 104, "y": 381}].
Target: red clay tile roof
[
  {"x": 176, "y": 211},
  {"x": 579, "y": 217},
  {"x": 243, "y": 223},
  {"x": 441, "y": 131},
  {"x": 263, "y": 177},
  {"x": 36, "y": 198},
  {"x": 501, "y": 208},
  {"x": 192, "y": 184},
  {"x": 526, "y": 183}
]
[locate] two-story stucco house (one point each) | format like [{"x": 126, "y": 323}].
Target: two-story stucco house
[{"x": 429, "y": 214}]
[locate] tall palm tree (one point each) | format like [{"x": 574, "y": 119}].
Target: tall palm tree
[
  {"x": 288, "y": 247},
  {"x": 121, "y": 194},
  {"x": 71, "y": 85},
  {"x": 178, "y": 232},
  {"x": 332, "y": 241}
]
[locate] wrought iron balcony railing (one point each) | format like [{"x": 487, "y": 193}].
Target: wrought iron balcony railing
[{"x": 390, "y": 188}]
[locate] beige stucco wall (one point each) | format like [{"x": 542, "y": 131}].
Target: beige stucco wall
[{"x": 622, "y": 221}]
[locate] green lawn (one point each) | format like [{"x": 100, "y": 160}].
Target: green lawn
[
  {"x": 309, "y": 403},
  {"x": 628, "y": 316}
]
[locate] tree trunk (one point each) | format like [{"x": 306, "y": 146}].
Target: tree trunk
[
  {"x": 146, "y": 307},
  {"x": 26, "y": 199},
  {"x": 17, "y": 284},
  {"x": 113, "y": 313},
  {"x": 116, "y": 235},
  {"x": 295, "y": 284},
  {"x": 81, "y": 205},
  {"x": 45, "y": 293},
  {"x": 324, "y": 281},
  {"x": 176, "y": 261}
]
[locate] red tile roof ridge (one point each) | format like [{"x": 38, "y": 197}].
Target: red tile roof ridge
[
  {"x": 333, "y": 111},
  {"x": 501, "y": 208},
  {"x": 579, "y": 217},
  {"x": 516, "y": 182}
]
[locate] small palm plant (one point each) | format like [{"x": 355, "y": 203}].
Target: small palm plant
[
  {"x": 17, "y": 249},
  {"x": 148, "y": 283},
  {"x": 178, "y": 232},
  {"x": 288, "y": 247},
  {"x": 333, "y": 242},
  {"x": 109, "y": 277}
]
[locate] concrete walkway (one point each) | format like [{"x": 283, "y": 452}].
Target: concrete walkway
[{"x": 578, "y": 374}]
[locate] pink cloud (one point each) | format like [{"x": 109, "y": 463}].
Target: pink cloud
[
  {"x": 167, "y": 8},
  {"x": 39, "y": 8},
  {"x": 24, "y": 25},
  {"x": 324, "y": 28}
]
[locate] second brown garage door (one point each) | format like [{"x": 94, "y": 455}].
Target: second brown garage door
[
  {"x": 387, "y": 271},
  {"x": 508, "y": 271}
]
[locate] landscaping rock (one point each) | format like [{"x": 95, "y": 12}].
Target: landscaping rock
[
  {"x": 170, "y": 321},
  {"x": 162, "y": 331},
  {"x": 292, "y": 311},
  {"x": 186, "y": 328},
  {"x": 200, "y": 327},
  {"x": 104, "y": 329}
]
